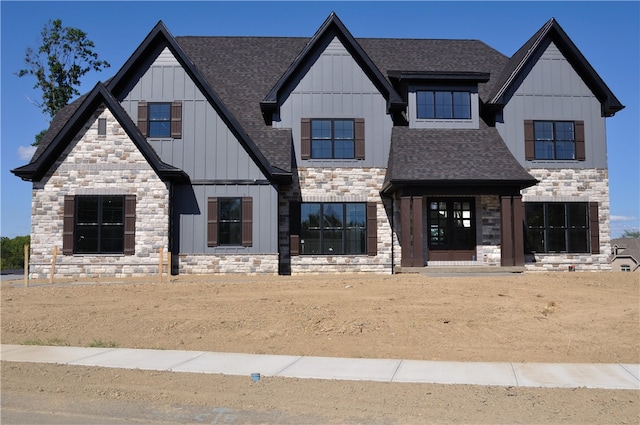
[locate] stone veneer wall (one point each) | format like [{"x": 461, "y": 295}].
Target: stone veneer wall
[
  {"x": 338, "y": 185},
  {"x": 99, "y": 165},
  {"x": 573, "y": 185},
  {"x": 250, "y": 264}
]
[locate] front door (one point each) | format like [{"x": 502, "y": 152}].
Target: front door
[{"x": 452, "y": 229}]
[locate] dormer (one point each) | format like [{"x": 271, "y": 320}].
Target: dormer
[{"x": 441, "y": 99}]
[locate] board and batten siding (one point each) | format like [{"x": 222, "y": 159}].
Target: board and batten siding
[
  {"x": 336, "y": 87},
  {"x": 216, "y": 162},
  {"x": 552, "y": 90},
  {"x": 208, "y": 150},
  {"x": 190, "y": 205}
]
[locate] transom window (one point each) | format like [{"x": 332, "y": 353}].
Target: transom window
[
  {"x": 557, "y": 227},
  {"x": 159, "y": 120},
  {"x": 99, "y": 225},
  {"x": 230, "y": 221},
  {"x": 333, "y": 228},
  {"x": 432, "y": 104},
  {"x": 554, "y": 140},
  {"x": 332, "y": 138}
]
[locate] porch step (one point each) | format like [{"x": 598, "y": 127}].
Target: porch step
[{"x": 452, "y": 270}]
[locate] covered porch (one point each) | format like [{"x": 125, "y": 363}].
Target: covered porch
[{"x": 456, "y": 197}]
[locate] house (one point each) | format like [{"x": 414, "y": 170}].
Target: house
[
  {"x": 328, "y": 154},
  {"x": 625, "y": 254}
]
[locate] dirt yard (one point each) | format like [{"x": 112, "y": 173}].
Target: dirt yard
[{"x": 529, "y": 317}]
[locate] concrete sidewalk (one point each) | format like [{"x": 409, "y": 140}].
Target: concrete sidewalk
[{"x": 546, "y": 375}]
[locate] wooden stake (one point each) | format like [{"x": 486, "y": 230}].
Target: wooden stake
[
  {"x": 160, "y": 264},
  {"x": 169, "y": 265},
  {"x": 26, "y": 266},
  {"x": 53, "y": 263}
]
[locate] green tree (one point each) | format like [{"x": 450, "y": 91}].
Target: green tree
[
  {"x": 64, "y": 56},
  {"x": 12, "y": 252},
  {"x": 631, "y": 234}
]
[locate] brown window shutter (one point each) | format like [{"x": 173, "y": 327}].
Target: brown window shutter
[
  {"x": 294, "y": 228},
  {"x": 247, "y": 222},
  {"x": 529, "y": 141},
  {"x": 212, "y": 222},
  {"x": 68, "y": 225},
  {"x": 129, "y": 224},
  {"x": 594, "y": 227},
  {"x": 143, "y": 121},
  {"x": 305, "y": 138},
  {"x": 294, "y": 245},
  {"x": 359, "y": 135},
  {"x": 176, "y": 120},
  {"x": 372, "y": 229},
  {"x": 579, "y": 137}
]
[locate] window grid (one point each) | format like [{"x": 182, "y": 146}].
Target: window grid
[
  {"x": 332, "y": 139},
  {"x": 554, "y": 140},
  {"x": 431, "y": 104},
  {"x": 99, "y": 225},
  {"x": 333, "y": 229},
  {"x": 556, "y": 227}
]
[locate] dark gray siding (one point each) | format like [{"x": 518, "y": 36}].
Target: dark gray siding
[
  {"x": 210, "y": 154},
  {"x": 336, "y": 87},
  {"x": 552, "y": 90},
  {"x": 190, "y": 218}
]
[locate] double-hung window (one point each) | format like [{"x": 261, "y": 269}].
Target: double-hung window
[
  {"x": 436, "y": 104},
  {"x": 161, "y": 120},
  {"x": 229, "y": 222},
  {"x": 548, "y": 140},
  {"x": 554, "y": 140},
  {"x": 332, "y": 139},
  {"x": 558, "y": 227}
]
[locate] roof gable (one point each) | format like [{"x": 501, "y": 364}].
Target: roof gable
[
  {"x": 330, "y": 29},
  {"x": 80, "y": 113},
  {"x": 160, "y": 38},
  {"x": 518, "y": 66}
]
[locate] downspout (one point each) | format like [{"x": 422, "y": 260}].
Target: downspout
[{"x": 393, "y": 256}]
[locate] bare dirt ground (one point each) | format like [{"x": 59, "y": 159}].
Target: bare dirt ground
[{"x": 530, "y": 317}]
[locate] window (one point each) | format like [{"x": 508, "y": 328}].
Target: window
[
  {"x": 160, "y": 119},
  {"x": 230, "y": 222},
  {"x": 554, "y": 140},
  {"x": 333, "y": 228},
  {"x": 443, "y": 104},
  {"x": 625, "y": 268},
  {"x": 557, "y": 227},
  {"x": 332, "y": 138},
  {"x": 99, "y": 225}
]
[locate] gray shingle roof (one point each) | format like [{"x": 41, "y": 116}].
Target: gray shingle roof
[
  {"x": 453, "y": 156},
  {"x": 242, "y": 70}
]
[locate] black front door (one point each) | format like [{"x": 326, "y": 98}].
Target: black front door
[{"x": 451, "y": 229}]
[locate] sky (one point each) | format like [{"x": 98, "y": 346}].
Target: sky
[{"x": 607, "y": 33}]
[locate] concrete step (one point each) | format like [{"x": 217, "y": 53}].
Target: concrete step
[{"x": 461, "y": 269}]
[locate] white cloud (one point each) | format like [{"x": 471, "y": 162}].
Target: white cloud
[
  {"x": 622, "y": 218},
  {"x": 26, "y": 152}
]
